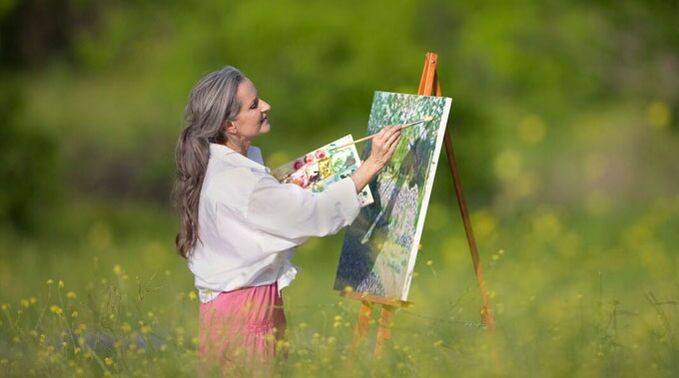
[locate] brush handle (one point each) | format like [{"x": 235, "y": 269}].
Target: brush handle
[{"x": 374, "y": 135}]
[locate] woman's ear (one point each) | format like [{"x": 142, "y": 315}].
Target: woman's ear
[{"x": 229, "y": 128}]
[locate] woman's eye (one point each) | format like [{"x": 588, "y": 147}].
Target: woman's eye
[{"x": 254, "y": 105}]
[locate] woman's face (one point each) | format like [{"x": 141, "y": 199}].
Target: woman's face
[{"x": 252, "y": 119}]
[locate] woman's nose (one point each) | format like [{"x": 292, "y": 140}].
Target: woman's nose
[{"x": 265, "y": 106}]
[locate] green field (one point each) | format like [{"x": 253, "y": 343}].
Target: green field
[{"x": 574, "y": 294}]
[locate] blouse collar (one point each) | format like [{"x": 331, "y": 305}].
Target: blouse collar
[{"x": 253, "y": 160}]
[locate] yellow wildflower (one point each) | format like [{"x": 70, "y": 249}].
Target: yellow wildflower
[
  {"x": 108, "y": 361},
  {"x": 56, "y": 309},
  {"x": 71, "y": 295},
  {"x": 117, "y": 269}
]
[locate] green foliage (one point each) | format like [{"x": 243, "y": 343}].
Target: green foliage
[
  {"x": 125, "y": 82},
  {"x": 27, "y": 170}
]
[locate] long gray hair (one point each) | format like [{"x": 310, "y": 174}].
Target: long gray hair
[{"x": 212, "y": 102}]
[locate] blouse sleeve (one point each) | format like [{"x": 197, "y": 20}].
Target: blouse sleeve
[{"x": 287, "y": 215}]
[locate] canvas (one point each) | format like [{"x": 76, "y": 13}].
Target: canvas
[
  {"x": 324, "y": 166},
  {"x": 380, "y": 247}
]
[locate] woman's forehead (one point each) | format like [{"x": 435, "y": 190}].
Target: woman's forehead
[{"x": 247, "y": 90}]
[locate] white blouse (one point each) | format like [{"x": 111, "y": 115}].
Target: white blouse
[{"x": 248, "y": 222}]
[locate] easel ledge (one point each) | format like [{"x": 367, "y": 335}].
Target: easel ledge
[{"x": 365, "y": 297}]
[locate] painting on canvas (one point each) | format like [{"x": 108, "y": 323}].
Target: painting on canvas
[
  {"x": 380, "y": 247},
  {"x": 324, "y": 166}
]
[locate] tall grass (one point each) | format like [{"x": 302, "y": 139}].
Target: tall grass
[{"x": 568, "y": 301}]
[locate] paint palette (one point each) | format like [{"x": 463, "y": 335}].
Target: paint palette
[{"x": 324, "y": 166}]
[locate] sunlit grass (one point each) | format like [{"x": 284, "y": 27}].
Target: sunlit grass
[{"x": 567, "y": 302}]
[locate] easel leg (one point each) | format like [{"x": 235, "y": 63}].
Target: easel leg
[
  {"x": 364, "y": 316},
  {"x": 429, "y": 84},
  {"x": 384, "y": 330},
  {"x": 486, "y": 314}
]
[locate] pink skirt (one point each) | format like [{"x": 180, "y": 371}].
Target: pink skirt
[{"x": 239, "y": 329}]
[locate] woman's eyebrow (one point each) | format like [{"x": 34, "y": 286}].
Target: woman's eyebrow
[{"x": 254, "y": 101}]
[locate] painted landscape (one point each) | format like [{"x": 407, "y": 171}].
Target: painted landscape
[{"x": 380, "y": 247}]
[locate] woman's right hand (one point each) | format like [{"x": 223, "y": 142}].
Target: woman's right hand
[
  {"x": 383, "y": 147},
  {"x": 384, "y": 144}
]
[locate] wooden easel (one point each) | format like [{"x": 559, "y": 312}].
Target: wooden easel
[{"x": 429, "y": 85}]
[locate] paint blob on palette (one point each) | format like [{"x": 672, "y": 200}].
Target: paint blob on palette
[
  {"x": 324, "y": 166},
  {"x": 380, "y": 247}
]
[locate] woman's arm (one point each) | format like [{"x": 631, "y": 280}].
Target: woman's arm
[
  {"x": 287, "y": 214},
  {"x": 383, "y": 147}
]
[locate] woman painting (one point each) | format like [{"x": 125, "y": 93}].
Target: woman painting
[{"x": 238, "y": 224}]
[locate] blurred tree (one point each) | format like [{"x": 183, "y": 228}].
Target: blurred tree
[
  {"x": 27, "y": 169},
  {"x": 30, "y": 32},
  {"x": 110, "y": 79}
]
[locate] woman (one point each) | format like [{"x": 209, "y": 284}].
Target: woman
[{"x": 239, "y": 224}]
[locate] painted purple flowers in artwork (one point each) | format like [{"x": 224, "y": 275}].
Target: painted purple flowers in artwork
[{"x": 380, "y": 247}]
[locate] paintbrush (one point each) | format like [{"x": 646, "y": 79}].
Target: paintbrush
[{"x": 426, "y": 119}]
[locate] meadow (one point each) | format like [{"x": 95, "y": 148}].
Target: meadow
[{"x": 585, "y": 290}]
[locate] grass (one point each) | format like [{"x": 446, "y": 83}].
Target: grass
[{"x": 574, "y": 295}]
